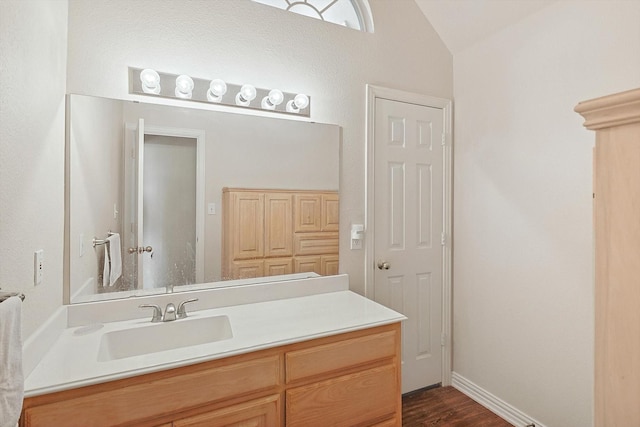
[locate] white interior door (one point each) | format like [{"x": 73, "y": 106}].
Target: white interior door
[
  {"x": 169, "y": 211},
  {"x": 408, "y": 229}
]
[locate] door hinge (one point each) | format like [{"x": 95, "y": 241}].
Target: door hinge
[
  {"x": 443, "y": 238},
  {"x": 444, "y": 138},
  {"x": 443, "y": 339}
]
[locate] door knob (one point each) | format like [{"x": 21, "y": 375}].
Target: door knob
[
  {"x": 140, "y": 250},
  {"x": 383, "y": 265}
]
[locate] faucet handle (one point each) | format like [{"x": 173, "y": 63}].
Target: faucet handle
[
  {"x": 157, "y": 312},
  {"x": 182, "y": 312}
]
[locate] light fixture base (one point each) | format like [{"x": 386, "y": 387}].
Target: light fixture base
[{"x": 201, "y": 94}]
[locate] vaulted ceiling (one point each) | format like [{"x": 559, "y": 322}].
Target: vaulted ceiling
[{"x": 461, "y": 23}]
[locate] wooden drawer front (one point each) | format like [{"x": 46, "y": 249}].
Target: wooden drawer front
[
  {"x": 347, "y": 401},
  {"x": 329, "y": 265},
  {"x": 307, "y": 264},
  {"x": 315, "y": 243},
  {"x": 263, "y": 412},
  {"x": 278, "y": 266},
  {"x": 160, "y": 397},
  {"x": 338, "y": 355},
  {"x": 247, "y": 269}
]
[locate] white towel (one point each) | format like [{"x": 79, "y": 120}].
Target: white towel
[
  {"x": 115, "y": 252},
  {"x": 11, "y": 377},
  {"x": 105, "y": 268}
]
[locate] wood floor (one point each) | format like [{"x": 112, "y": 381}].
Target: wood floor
[{"x": 446, "y": 407}]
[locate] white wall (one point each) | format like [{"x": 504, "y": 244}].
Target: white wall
[
  {"x": 96, "y": 170},
  {"x": 523, "y": 281},
  {"x": 242, "y": 41},
  {"x": 33, "y": 56}
]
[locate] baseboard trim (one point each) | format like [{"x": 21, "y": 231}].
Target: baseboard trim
[{"x": 492, "y": 402}]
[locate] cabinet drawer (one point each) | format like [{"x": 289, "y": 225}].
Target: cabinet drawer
[
  {"x": 278, "y": 266},
  {"x": 246, "y": 269},
  {"x": 263, "y": 412},
  {"x": 349, "y": 400},
  {"x": 167, "y": 394},
  {"x": 315, "y": 243},
  {"x": 339, "y": 355}
]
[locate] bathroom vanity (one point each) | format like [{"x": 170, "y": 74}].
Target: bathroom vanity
[{"x": 319, "y": 356}]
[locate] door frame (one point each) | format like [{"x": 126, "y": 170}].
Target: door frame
[
  {"x": 199, "y": 136},
  {"x": 378, "y": 92}
]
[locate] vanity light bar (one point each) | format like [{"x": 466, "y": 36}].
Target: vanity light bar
[{"x": 216, "y": 91}]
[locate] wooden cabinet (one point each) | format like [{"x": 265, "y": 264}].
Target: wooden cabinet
[
  {"x": 263, "y": 412},
  {"x": 267, "y": 232},
  {"x": 616, "y": 120},
  {"x": 343, "y": 380}
]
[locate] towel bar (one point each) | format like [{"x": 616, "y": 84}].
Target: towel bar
[
  {"x": 6, "y": 295},
  {"x": 97, "y": 241}
]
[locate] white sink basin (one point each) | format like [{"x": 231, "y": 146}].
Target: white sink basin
[{"x": 163, "y": 336}]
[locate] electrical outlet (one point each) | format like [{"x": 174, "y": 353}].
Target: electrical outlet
[{"x": 38, "y": 266}]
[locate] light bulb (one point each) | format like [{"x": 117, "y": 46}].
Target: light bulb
[
  {"x": 150, "y": 81},
  {"x": 271, "y": 101},
  {"x": 184, "y": 86},
  {"x": 246, "y": 95},
  {"x": 300, "y": 102},
  {"x": 217, "y": 89}
]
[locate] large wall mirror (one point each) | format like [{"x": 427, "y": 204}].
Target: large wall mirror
[{"x": 160, "y": 198}]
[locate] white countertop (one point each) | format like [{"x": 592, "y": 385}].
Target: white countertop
[{"x": 72, "y": 360}]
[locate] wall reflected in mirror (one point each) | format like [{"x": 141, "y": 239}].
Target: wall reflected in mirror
[{"x": 155, "y": 175}]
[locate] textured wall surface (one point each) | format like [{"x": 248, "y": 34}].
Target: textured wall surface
[
  {"x": 523, "y": 280},
  {"x": 33, "y": 59}
]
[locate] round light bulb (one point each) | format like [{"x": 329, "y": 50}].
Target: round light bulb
[
  {"x": 298, "y": 103},
  {"x": 150, "y": 81},
  {"x": 184, "y": 86},
  {"x": 301, "y": 101},
  {"x": 217, "y": 89},
  {"x": 246, "y": 95},
  {"x": 271, "y": 101}
]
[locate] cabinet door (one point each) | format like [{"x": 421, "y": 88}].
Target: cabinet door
[
  {"x": 246, "y": 226},
  {"x": 247, "y": 269},
  {"x": 278, "y": 266},
  {"x": 278, "y": 225},
  {"x": 307, "y": 212},
  {"x": 263, "y": 412},
  {"x": 363, "y": 397},
  {"x": 307, "y": 264},
  {"x": 329, "y": 265},
  {"x": 330, "y": 217}
]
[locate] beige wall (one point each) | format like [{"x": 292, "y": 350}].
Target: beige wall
[
  {"x": 523, "y": 281},
  {"x": 242, "y": 41},
  {"x": 33, "y": 59}
]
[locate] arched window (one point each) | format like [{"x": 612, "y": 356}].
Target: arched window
[{"x": 354, "y": 14}]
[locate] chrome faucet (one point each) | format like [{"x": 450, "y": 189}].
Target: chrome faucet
[
  {"x": 182, "y": 311},
  {"x": 170, "y": 312}
]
